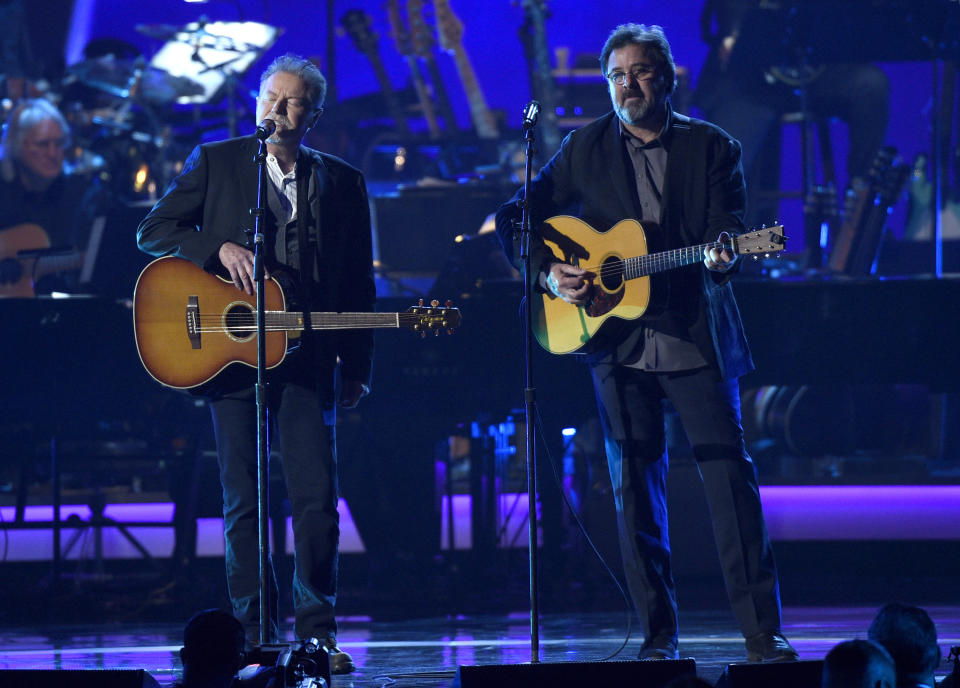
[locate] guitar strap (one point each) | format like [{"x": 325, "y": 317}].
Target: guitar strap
[{"x": 305, "y": 253}]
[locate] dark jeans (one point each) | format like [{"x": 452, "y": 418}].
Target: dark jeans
[
  {"x": 631, "y": 411},
  {"x": 309, "y": 466}
]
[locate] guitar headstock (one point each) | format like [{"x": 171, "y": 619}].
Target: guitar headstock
[
  {"x": 765, "y": 241},
  {"x": 420, "y": 37},
  {"x": 400, "y": 34},
  {"x": 359, "y": 27},
  {"x": 449, "y": 27},
  {"x": 432, "y": 318}
]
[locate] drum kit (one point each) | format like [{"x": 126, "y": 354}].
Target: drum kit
[{"x": 129, "y": 114}]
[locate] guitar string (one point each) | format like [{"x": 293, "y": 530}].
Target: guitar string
[{"x": 656, "y": 260}]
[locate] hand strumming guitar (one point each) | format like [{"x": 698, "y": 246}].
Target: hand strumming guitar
[
  {"x": 571, "y": 283},
  {"x": 238, "y": 261}
]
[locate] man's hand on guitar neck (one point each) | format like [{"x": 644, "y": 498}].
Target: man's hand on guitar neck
[
  {"x": 238, "y": 261},
  {"x": 719, "y": 260},
  {"x": 572, "y": 284}
]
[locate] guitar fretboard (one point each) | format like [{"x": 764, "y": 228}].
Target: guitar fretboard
[{"x": 639, "y": 266}]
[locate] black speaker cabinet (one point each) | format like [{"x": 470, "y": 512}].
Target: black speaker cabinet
[
  {"x": 575, "y": 674},
  {"x": 806, "y": 674},
  {"x": 77, "y": 678}
]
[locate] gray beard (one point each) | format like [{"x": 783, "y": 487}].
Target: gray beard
[{"x": 635, "y": 112}]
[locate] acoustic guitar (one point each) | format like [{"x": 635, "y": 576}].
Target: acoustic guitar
[
  {"x": 621, "y": 288},
  {"x": 190, "y": 325},
  {"x": 23, "y": 260}
]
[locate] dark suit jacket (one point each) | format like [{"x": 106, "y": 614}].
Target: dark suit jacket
[
  {"x": 703, "y": 195},
  {"x": 209, "y": 203}
]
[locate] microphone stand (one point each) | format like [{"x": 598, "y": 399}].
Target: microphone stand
[
  {"x": 529, "y": 393},
  {"x": 263, "y": 457}
]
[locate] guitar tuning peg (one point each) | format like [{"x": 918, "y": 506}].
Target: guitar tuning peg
[
  {"x": 420, "y": 303},
  {"x": 756, "y": 257},
  {"x": 434, "y": 303},
  {"x": 436, "y": 333},
  {"x": 450, "y": 330},
  {"x": 423, "y": 334},
  {"x": 448, "y": 303}
]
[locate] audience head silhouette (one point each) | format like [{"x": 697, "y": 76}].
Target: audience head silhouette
[
  {"x": 212, "y": 653},
  {"x": 858, "y": 664},
  {"x": 909, "y": 635}
]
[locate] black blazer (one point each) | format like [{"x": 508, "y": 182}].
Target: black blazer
[
  {"x": 703, "y": 195},
  {"x": 209, "y": 203}
]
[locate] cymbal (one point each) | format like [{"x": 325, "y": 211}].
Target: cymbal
[{"x": 133, "y": 79}]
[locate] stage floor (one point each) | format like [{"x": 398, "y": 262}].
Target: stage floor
[{"x": 426, "y": 652}]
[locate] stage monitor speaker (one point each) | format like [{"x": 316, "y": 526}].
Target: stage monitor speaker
[
  {"x": 805, "y": 674},
  {"x": 77, "y": 678},
  {"x": 574, "y": 674}
]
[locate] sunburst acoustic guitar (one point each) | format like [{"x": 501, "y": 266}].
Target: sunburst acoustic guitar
[
  {"x": 622, "y": 266},
  {"x": 24, "y": 259},
  {"x": 190, "y": 325}
]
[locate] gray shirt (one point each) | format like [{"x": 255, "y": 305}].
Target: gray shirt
[{"x": 664, "y": 344}]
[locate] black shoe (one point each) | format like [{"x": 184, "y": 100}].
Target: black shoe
[
  {"x": 770, "y": 646},
  {"x": 658, "y": 648},
  {"x": 340, "y": 662}
]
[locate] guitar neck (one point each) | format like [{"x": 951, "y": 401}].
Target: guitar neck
[
  {"x": 393, "y": 102},
  {"x": 440, "y": 91},
  {"x": 46, "y": 265},
  {"x": 423, "y": 95},
  {"x": 292, "y": 320},
  {"x": 640, "y": 266},
  {"x": 479, "y": 111}
]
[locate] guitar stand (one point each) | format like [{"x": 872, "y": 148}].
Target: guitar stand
[{"x": 97, "y": 522}]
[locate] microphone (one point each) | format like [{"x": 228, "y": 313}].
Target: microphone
[
  {"x": 530, "y": 114},
  {"x": 265, "y": 129}
]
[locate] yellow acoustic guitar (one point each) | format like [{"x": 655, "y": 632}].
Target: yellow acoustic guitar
[
  {"x": 622, "y": 266},
  {"x": 23, "y": 260},
  {"x": 190, "y": 324}
]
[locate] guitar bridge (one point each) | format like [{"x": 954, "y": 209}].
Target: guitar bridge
[{"x": 193, "y": 321}]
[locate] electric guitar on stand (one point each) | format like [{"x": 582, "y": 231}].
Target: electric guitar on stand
[
  {"x": 404, "y": 46},
  {"x": 450, "y": 30},
  {"x": 534, "y": 38},
  {"x": 358, "y": 25},
  {"x": 422, "y": 43}
]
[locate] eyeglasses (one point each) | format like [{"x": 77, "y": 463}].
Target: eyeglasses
[
  {"x": 60, "y": 142},
  {"x": 639, "y": 73}
]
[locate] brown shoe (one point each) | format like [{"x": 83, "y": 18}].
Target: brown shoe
[{"x": 340, "y": 662}]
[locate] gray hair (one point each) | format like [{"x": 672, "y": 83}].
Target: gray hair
[
  {"x": 653, "y": 39},
  {"x": 312, "y": 78},
  {"x": 24, "y": 118}
]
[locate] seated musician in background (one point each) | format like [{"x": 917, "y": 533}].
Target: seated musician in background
[
  {"x": 317, "y": 232},
  {"x": 749, "y": 101},
  {"x": 681, "y": 178},
  {"x": 41, "y": 205}
]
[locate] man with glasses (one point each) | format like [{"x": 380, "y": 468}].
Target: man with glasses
[
  {"x": 681, "y": 179},
  {"x": 318, "y": 238},
  {"x": 41, "y": 206}
]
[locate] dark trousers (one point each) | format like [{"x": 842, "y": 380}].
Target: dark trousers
[
  {"x": 309, "y": 466},
  {"x": 631, "y": 411}
]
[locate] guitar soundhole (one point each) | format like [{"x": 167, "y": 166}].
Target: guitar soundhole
[
  {"x": 239, "y": 322},
  {"x": 611, "y": 273}
]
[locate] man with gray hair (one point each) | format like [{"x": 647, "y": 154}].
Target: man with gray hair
[
  {"x": 681, "y": 179},
  {"x": 318, "y": 240},
  {"x": 41, "y": 205}
]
